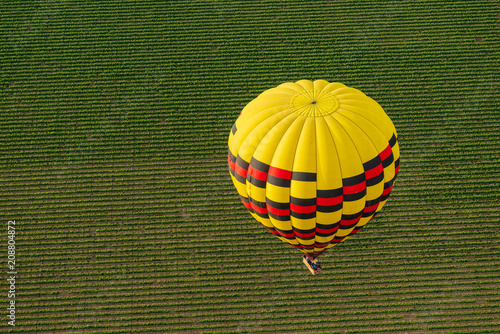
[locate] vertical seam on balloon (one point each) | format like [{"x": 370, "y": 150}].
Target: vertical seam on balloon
[
  {"x": 290, "y": 189},
  {"x": 341, "y": 107},
  {"x": 316, "y": 172},
  {"x": 338, "y": 159},
  {"x": 249, "y": 187},
  {"x": 369, "y": 138},
  {"x": 274, "y": 153},
  {"x": 359, "y": 156},
  {"x": 321, "y": 90}
]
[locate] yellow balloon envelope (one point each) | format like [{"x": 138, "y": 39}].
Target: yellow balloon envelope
[{"x": 313, "y": 161}]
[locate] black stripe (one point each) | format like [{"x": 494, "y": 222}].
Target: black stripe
[
  {"x": 303, "y": 176},
  {"x": 263, "y": 215},
  {"x": 372, "y": 163},
  {"x": 305, "y": 238},
  {"x": 353, "y": 180},
  {"x": 245, "y": 199},
  {"x": 375, "y": 180},
  {"x": 328, "y": 227},
  {"x": 233, "y": 129},
  {"x": 257, "y": 203},
  {"x": 325, "y": 234},
  {"x": 280, "y": 218},
  {"x": 355, "y": 197},
  {"x": 331, "y": 193},
  {"x": 278, "y": 181},
  {"x": 277, "y": 205},
  {"x": 303, "y": 231},
  {"x": 237, "y": 176},
  {"x": 389, "y": 183},
  {"x": 270, "y": 229},
  {"x": 242, "y": 163},
  {"x": 383, "y": 198},
  {"x": 393, "y": 140},
  {"x": 260, "y": 166},
  {"x": 372, "y": 202},
  {"x": 396, "y": 163},
  {"x": 231, "y": 156},
  {"x": 299, "y": 215},
  {"x": 303, "y": 201},
  {"x": 345, "y": 227},
  {"x": 352, "y": 216},
  {"x": 329, "y": 208},
  {"x": 285, "y": 232},
  {"x": 387, "y": 161},
  {"x": 255, "y": 181},
  {"x": 368, "y": 214},
  {"x": 357, "y": 228}
]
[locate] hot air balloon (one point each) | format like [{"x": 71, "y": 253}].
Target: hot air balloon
[{"x": 313, "y": 162}]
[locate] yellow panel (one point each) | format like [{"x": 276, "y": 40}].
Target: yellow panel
[
  {"x": 267, "y": 146},
  {"x": 285, "y": 151},
  {"x": 307, "y": 84},
  {"x": 245, "y": 127},
  {"x": 364, "y": 146},
  {"x": 283, "y": 159},
  {"x": 318, "y": 86},
  {"x": 240, "y": 187},
  {"x": 350, "y": 162},
  {"x": 292, "y": 87},
  {"x": 372, "y": 111},
  {"x": 372, "y": 132},
  {"x": 305, "y": 162},
  {"x": 328, "y": 174},
  {"x": 277, "y": 194},
  {"x": 252, "y": 140}
]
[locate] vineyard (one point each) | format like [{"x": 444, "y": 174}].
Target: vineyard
[{"x": 114, "y": 123}]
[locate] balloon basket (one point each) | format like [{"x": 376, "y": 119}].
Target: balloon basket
[{"x": 309, "y": 264}]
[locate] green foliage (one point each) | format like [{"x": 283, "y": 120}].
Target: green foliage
[{"x": 114, "y": 125}]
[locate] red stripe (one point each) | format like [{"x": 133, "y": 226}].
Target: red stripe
[
  {"x": 247, "y": 205},
  {"x": 257, "y": 174},
  {"x": 308, "y": 247},
  {"x": 354, "y": 231},
  {"x": 330, "y": 231},
  {"x": 385, "y": 153},
  {"x": 281, "y": 173},
  {"x": 231, "y": 164},
  {"x": 371, "y": 208},
  {"x": 387, "y": 191},
  {"x": 396, "y": 170},
  {"x": 278, "y": 212},
  {"x": 321, "y": 244},
  {"x": 259, "y": 209},
  {"x": 374, "y": 171},
  {"x": 272, "y": 231},
  {"x": 304, "y": 235},
  {"x": 329, "y": 201},
  {"x": 355, "y": 188},
  {"x": 287, "y": 235},
  {"x": 302, "y": 209},
  {"x": 240, "y": 170},
  {"x": 349, "y": 221}
]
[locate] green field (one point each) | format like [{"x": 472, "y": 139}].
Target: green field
[{"x": 114, "y": 120}]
